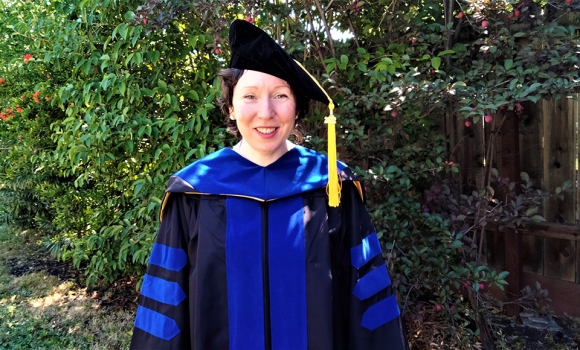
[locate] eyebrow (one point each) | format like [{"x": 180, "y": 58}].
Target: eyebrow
[{"x": 256, "y": 87}]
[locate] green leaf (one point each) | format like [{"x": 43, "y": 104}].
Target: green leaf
[
  {"x": 446, "y": 52},
  {"x": 123, "y": 31},
  {"x": 538, "y": 218},
  {"x": 508, "y": 64},
  {"x": 456, "y": 244},
  {"x": 436, "y": 62}
]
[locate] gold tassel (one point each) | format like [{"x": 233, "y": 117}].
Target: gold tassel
[{"x": 333, "y": 186}]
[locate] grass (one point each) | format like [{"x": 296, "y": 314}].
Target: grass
[{"x": 39, "y": 311}]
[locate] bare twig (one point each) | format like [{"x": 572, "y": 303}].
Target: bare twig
[
  {"x": 314, "y": 38},
  {"x": 352, "y": 29},
  {"x": 326, "y": 28}
]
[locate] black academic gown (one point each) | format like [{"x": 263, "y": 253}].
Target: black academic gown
[{"x": 250, "y": 257}]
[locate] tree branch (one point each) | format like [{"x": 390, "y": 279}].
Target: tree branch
[{"x": 326, "y": 28}]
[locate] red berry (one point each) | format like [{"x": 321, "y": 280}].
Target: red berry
[
  {"x": 438, "y": 307},
  {"x": 145, "y": 20},
  {"x": 413, "y": 41},
  {"x": 468, "y": 123},
  {"x": 481, "y": 286},
  {"x": 488, "y": 118},
  {"x": 395, "y": 113},
  {"x": 218, "y": 51},
  {"x": 250, "y": 19},
  {"x": 569, "y": 1},
  {"x": 484, "y": 24},
  {"x": 460, "y": 15},
  {"x": 485, "y": 51},
  {"x": 510, "y": 16},
  {"x": 517, "y": 13},
  {"x": 502, "y": 107}
]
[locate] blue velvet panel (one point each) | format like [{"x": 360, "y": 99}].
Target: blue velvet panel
[
  {"x": 244, "y": 274},
  {"x": 172, "y": 259},
  {"x": 156, "y": 324},
  {"x": 287, "y": 274},
  {"x": 364, "y": 252},
  {"x": 380, "y": 313},
  {"x": 162, "y": 290},
  {"x": 372, "y": 283},
  {"x": 297, "y": 171}
]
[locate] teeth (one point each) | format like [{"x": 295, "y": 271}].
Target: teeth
[{"x": 266, "y": 130}]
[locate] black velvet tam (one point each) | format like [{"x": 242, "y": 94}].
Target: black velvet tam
[{"x": 253, "y": 49}]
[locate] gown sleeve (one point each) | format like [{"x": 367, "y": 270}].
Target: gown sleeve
[
  {"x": 162, "y": 320},
  {"x": 367, "y": 315}
]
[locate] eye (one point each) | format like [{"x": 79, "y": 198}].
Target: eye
[
  {"x": 250, "y": 97},
  {"x": 281, "y": 95}
]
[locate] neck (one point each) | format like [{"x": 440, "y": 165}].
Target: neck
[{"x": 261, "y": 159}]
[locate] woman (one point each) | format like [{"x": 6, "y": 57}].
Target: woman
[{"x": 250, "y": 255}]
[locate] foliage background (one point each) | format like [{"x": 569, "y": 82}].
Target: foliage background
[{"x": 102, "y": 100}]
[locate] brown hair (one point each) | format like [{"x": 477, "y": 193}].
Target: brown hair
[{"x": 228, "y": 78}]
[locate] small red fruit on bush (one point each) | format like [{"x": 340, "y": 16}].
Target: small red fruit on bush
[
  {"x": 488, "y": 118},
  {"x": 218, "y": 51},
  {"x": 460, "y": 15},
  {"x": 413, "y": 41},
  {"x": 517, "y": 13},
  {"x": 19, "y": 110},
  {"x": 395, "y": 113},
  {"x": 484, "y": 24},
  {"x": 481, "y": 286},
  {"x": 485, "y": 51},
  {"x": 569, "y": 1},
  {"x": 250, "y": 19},
  {"x": 145, "y": 20},
  {"x": 438, "y": 307},
  {"x": 468, "y": 123},
  {"x": 27, "y": 57},
  {"x": 510, "y": 16}
]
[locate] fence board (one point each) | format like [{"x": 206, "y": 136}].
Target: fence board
[
  {"x": 533, "y": 254},
  {"x": 531, "y": 155},
  {"x": 560, "y": 259},
  {"x": 560, "y": 158},
  {"x": 575, "y": 106},
  {"x": 495, "y": 249}
]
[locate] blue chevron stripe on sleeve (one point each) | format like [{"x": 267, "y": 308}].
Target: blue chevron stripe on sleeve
[
  {"x": 172, "y": 259},
  {"x": 372, "y": 283},
  {"x": 161, "y": 290},
  {"x": 364, "y": 252},
  {"x": 380, "y": 313},
  {"x": 156, "y": 324}
]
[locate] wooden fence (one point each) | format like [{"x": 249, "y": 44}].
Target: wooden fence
[{"x": 543, "y": 142}]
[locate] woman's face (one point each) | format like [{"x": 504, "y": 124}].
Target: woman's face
[{"x": 264, "y": 108}]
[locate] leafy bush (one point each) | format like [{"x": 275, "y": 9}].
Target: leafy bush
[{"x": 119, "y": 95}]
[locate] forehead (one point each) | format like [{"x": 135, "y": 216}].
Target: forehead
[{"x": 252, "y": 78}]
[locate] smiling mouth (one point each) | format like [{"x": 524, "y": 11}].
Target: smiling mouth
[{"x": 266, "y": 130}]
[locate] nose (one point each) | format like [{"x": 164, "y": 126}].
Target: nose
[{"x": 266, "y": 109}]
